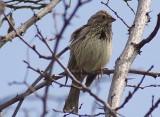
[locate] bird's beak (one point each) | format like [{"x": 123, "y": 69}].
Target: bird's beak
[{"x": 112, "y": 19}]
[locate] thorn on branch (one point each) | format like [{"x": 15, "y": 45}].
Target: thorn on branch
[
  {"x": 21, "y": 32},
  {"x": 36, "y": 16},
  {"x": 26, "y": 63},
  {"x": 148, "y": 17},
  {"x": 130, "y": 28},
  {"x": 34, "y": 47}
]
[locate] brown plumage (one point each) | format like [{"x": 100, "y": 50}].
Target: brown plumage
[{"x": 91, "y": 48}]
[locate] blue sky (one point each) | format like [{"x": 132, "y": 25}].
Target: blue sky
[{"x": 13, "y": 53}]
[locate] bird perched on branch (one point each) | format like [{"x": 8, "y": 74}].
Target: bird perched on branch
[{"x": 91, "y": 49}]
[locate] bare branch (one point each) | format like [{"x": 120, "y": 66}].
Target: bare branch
[
  {"x": 17, "y": 108},
  {"x": 128, "y": 55},
  {"x": 152, "y": 35},
  {"x": 79, "y": 115},
  {"x": 126, "y": 1},
  {"x": 152, "y": 108},
  {"x": 30, "y": 22},
  {"x": 130, "y": 95},
  {"x": 106, "y": 4},
  {"x": 143, "y": 87}
]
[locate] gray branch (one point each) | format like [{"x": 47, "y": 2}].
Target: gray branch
[
  {"x": 128, "y": 55},
  {"x": 30, "y": 22}
]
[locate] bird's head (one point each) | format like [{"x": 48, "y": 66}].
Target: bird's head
[{"x": 101, "y": 18}]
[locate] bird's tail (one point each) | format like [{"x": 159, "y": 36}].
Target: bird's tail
[
  {"x": 71, "y": 104},
  {"x": 90, "y": 79}
]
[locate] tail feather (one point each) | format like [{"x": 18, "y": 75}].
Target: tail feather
[
  {"x": 90, "y": 79},
  {"x": 71, "y": 104}
]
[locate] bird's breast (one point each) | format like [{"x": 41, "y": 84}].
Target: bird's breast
[{"x": 93, "y": 53}]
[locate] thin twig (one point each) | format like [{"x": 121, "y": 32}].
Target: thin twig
[
  {"x": 152, "y": 108},
  {"x": 130, "y": 7},
  {"x": 17, "y": 108},
  {"x": 21, "y": 29},
  {"x": 115, "y": 14},
  {"x": 44, "y": 100},
  {"x": 143, "y": 87}
]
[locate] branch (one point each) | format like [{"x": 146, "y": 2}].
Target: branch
[
  {"x": 111, "y": 71},
  {"x": 79, "y": 115},
  {"x": 152, "y": 35},
  {"x": 52, "y": 79},
  {"x": 130, "y": 95},
  {"x": 128, "y": 55},
  {"x": 152, "y": 108},
  {"x": 106, "y": 4},
  {"x": 25, "y": 6},
  {"x": 126, "y": 1},
  {"x": 23, "y": 95},
  {"x": 143, "y": 87},
  {"x": 33, "y": 88},
  {"x": 30, "y": 22},
  {"x": 142, "y": 72}
]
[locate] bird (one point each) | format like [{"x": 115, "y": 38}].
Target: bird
[{"x": 90, "y": 50}]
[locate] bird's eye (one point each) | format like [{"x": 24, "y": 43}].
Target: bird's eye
[{"x": 103, "y": 17}]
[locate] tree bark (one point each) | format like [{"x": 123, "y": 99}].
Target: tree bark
[{"x": 128, "y": 55}]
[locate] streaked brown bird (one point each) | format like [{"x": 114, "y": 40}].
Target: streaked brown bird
[{"x": 91, "y": 49}]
